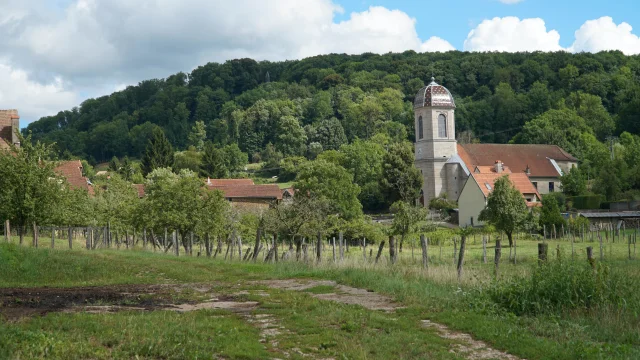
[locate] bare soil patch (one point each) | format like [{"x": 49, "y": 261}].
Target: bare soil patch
[
  {"x": 344, "y": 294},
  {"x": 16, "y": 303},
  {"x": 468, "y": 347}
]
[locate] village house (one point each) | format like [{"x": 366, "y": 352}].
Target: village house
[
  {"x": 244, "y": 194},
  {"x": 480, "y": 183},
  {"x": 447, "y": 166},
  {"x": 9, "y": 125},
  {"x": 72, "y": 171}
]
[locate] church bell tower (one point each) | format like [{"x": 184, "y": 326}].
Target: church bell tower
[{"x": 435, "y": 139}]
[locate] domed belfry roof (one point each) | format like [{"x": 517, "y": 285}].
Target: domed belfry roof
[{"x": 434, "y": 94}]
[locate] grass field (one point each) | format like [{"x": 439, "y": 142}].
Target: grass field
[{"x": 304, "y": 326}]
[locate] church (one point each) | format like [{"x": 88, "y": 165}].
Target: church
[{"x": 446, "y": 166}]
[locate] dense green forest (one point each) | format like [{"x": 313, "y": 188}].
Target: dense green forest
[{"x": 587, "y": 103}]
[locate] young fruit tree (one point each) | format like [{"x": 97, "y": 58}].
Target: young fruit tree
[{"x": 506, "y": 208}]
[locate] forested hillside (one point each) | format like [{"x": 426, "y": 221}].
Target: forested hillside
[{"x": 582, "y": 102}]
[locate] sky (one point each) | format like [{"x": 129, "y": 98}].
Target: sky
[{"x": 54, "y": 54}]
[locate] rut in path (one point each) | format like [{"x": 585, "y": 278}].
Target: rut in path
[{"x": 466, "y": 346}]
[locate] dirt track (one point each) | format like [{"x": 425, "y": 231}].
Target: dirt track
[{"x": 16, "y": 303}]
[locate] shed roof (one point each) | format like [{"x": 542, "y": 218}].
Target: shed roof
[
  {"x": 229, "y": 182},
  {"x": 271, "y": 191},
  {"x": 516, "y": 156},
  {"x": 620, "y": 214}
]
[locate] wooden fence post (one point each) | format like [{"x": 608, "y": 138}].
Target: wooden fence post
[
  {"x": 364, "y": 248},
  {"x": 425, "y": 255},
  {"x": 88, "y": 238},
  {"x": 498, "y": 255},
  {"x": 35, "y": 235},
  {"x": 463, "y": 240},
  {"x": 590, "y": 258},
  {"x": 341, "y": 241},
  {"x": 53, "y": 237},
  {"x": 380, "y": 248},
  {"x": 70, "y": 238},
  {"x": 333, "y": 248},
  {"x": 455, "y": 249},
  {"x": 484, "y": 249},
  {"x": 392, "y": 249},
  {"x": 239, "y": 246},
  {"x": 7, "y": 230},
  {"x": 542, "y": 252}
]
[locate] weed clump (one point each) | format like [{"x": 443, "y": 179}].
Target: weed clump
[{"x": 562, "y": 286}]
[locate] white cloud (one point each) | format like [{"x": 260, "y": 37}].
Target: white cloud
[
  {"x": 31, "y": 98},
  {"x": 436, "y": 44},
  {"x": 512, "y": 34},
  {"x": 603, "y": 34},
  {"x": 96, "y": 45},
  {"x": 510, "y": 2}
]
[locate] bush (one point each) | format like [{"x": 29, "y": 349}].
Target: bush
[
  {"x": 587, "y": 202},
  {"x": 560, "y": 286}
]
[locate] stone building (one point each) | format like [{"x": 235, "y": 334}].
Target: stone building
[
  {"x": 446, "y": 165},
  {"x": 9, "y": 124}
]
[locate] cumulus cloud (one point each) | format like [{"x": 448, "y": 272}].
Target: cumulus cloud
[
  {"x": 603, "y": 34},
  {"x": 116, "y": 42},
  {"x": 31, "y": 98},
  {"x": 512, "y": 34},
  {"x": 436, "y": 44}
]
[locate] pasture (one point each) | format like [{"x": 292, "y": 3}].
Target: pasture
[{"x": 136, "y": 303}]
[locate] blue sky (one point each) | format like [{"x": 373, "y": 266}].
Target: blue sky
[{"x": 453, "y": 19}]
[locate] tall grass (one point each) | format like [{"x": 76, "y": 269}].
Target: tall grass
[{"x": 564, "y": 286}]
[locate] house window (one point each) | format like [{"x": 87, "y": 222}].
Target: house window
[
  {"x": 442, "y": 126},
  {"x": 535, "y": 184},
  {"x": 420, "y": 128},
  {"x": 551, "y": 186}
]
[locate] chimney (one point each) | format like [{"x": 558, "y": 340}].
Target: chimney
[
  {"x": 498, "y": 166},
  {"x": 208, "y": 181},
  {"x": 527, "y": 170}
]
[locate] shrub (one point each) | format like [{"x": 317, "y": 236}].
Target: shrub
[
  {"x": 558, "y": 286},
  {"x": 587, "y": 202}
]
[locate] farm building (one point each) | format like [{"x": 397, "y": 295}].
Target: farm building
[
  {"x": 480, "y": 183},
  {"x": 72, "y": 171},
  {"x": 243, "y": 193},
  {"x": 9, "y": 124},
  {"x": 446, "y": 165}
]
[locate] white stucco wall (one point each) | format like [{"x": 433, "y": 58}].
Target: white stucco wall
[{"x": 470, "y": 203}]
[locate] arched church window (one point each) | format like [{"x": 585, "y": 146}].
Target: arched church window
[
  {"x": 420, "y": 129},
  {"x": 442, "y": 126}
]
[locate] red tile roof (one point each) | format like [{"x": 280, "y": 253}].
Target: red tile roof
[
  {"x": 140, "y": 189},
  {"x": 229, "y": 182},
  {"x": 250, "y": 191},
  {"x": 519, "y": 180},
  {"x": 72, "y": 171},
  {"x": 491, "y": 170},
  {"x": 516, "y": 156}
]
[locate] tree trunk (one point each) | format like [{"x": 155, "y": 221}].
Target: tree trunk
[
  {"x": 319, "y": 248},
  {"x": 510, "y": 237},
  {"x": 256, "y": 246}
]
